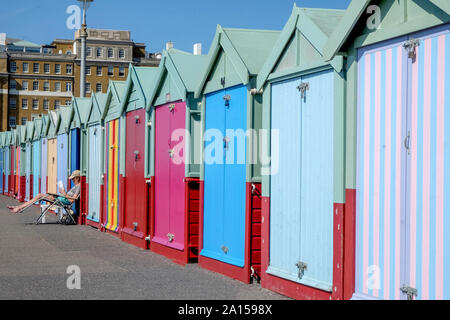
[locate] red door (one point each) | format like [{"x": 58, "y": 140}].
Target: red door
[{"x": 135, "y": 211}]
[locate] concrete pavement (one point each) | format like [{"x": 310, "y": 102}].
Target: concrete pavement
[{"x": 34, "y": 261}]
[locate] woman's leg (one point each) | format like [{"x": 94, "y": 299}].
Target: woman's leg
[{"x": 39, "y": 197}]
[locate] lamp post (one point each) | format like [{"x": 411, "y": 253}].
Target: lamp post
[{"x": 83, "y": 36}]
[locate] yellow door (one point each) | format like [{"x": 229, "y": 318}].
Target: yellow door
[{"x": 52, "y": 161}]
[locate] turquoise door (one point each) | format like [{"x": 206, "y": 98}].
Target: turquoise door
[
  {"x": 225, "y": 176},
  {"x": 94, "y": 173},
  {"x": 301, "y": 215}
]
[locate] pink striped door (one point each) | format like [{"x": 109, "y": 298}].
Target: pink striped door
[
  {"x": 403, "y": 168},
  {"x": 428, "y": 168},
  {"x": 169, "y": 175}
]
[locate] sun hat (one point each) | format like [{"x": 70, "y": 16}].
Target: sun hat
[{"x": 75, "y": 174}]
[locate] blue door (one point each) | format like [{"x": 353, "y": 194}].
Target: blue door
[
  {"x": 301, "y": 215},
  {"x": 1, "y": 170},
  {"x": 94, "y": 172},
  {"x": 28, "y": 171},
  {"x": 225, "y": 176},
  {"x": 62, "y": 156},
  {"x": 74, "y": 150}
]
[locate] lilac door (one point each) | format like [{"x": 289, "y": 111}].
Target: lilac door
[
  {"x": 403, "y": 174},
  {"x": 170, "y": 122}
]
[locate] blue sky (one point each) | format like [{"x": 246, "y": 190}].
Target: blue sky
[{"x": 152, "y": 22}]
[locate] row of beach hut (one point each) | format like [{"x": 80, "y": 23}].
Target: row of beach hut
[{"x": 315, "y": 159}]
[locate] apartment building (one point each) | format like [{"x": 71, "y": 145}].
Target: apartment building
[{"x": 37, "y": 78}]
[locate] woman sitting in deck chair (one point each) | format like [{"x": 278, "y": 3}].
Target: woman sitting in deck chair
[{"x": 65, "y": 198}]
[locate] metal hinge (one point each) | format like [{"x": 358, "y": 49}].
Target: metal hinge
[
  {"x": 410, "y": 292},
  {"x": 227, "y": 99},
  {"x": 302, "y": 266},
  {"x": 411, "y": 46},
  {"x": 171, "y": 237},
  {"x": 303, "y": 87}
]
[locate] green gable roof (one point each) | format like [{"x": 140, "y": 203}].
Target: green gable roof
[
  {"x": 37, "y": 129},
  {"x": 139, "y": 84},
  {"x": 81, "y": 109},
  {"x": 2, "y": 139},
  {"x": 314, "y": 27},
  {"x": 183, "y": 69},
  {"x": 30, "y": 131},
  {"x": 45, "y": 126},
  {"x": 354, "y": 20},
  {"x": 54, "y": 117},
  {"x": 66, "y": 115},
  {"x": 116, "y": 90},
  {"x": 97, "y": 107},
  {"x": 8, "y": 138},
  {"x": 247, "y": 49},
  {"x": 22, "y": 134}
]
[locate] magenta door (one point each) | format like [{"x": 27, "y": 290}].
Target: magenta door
[{"x": 169, "y": 174}]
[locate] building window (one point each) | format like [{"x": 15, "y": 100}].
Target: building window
[
  {"x": 98, "y": 87},
  {"x": 69, "y": 86},
  {"x": 57, "y": 104},
  {"x": 13, "y": 66},
  {"x": 12, "y": 85},
  {"x": 88, "y": 87},
  {"x": 68, "y": 102},
  {"x": 35, "y": 104},
  {"x": 12, "y": 122},
  {"x": 25, "y": 85},
  {"x": 99, "y": 52},
  {"x": 88, "y": 51},
  {"x": 110, "y": 53},
  {"x": 110, "y": 71},
  {"x": 68, "y": 68},
  {"x": 99, "y": 71},
  {"x": 25, "y": 67},
  {"x": 121, "y": 53},
  {"x": 46, "y": 86},
  {"x": 88, "y": 70},
  {"x": 36, "y": 67},
  {"x": 57, "y": 68},
  {"x": 121, "y": 72},
  {"x": 68, "y": 52},
  {"x": 35, "y": 85},
  {"x": 24, "y": 104},
  {"x": 12, "y": 103},
  {"x": 24, "y": 120},
  {"x": 58, "y": 86},
  {"x": 46, "y": 104},
  {"x": 46, "y": 68}
]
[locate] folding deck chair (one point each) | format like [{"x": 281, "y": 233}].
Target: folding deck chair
[{"x": 66, "y": 216}]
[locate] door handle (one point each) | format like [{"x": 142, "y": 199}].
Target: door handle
[{"x": 407, "y": 143}]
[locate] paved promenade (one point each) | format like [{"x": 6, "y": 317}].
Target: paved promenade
[{"x": 34, "y": 261}]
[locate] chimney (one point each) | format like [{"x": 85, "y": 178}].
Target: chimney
[
  {"x": 198, "y": 49},
  {"x": 2, "y": 39},
  {"x": 169, "y": 45}
]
